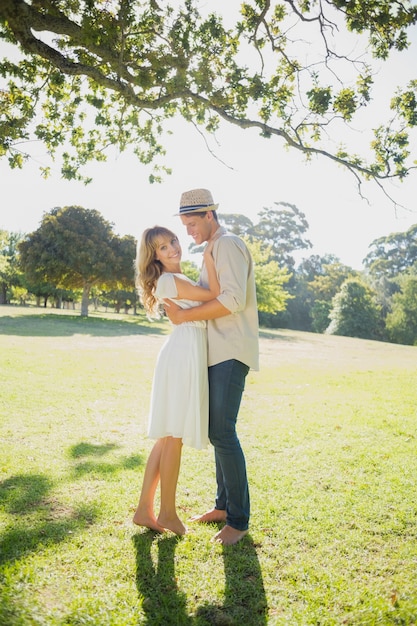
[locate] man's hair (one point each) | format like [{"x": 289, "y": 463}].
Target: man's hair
[{"x": 203, "y": 213}]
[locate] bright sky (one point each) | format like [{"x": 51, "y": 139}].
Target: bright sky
[{"x": 249, "y": 174}]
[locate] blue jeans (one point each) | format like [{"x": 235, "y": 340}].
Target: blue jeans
[{"x": 226, "y": 385}]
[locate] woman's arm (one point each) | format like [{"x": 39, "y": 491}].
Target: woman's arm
[
  {"x": 214, "y": 285},
  {"x": 187, "y": 291}
]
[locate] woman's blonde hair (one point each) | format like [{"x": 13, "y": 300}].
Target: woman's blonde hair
[{"x": 148, "y": 269}]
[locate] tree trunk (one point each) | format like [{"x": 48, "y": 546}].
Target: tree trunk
[
  {"x": 85, "y": 299},
  {"x": 3, "y": 293}
]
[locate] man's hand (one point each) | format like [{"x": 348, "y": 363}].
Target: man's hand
[{"x": 173, "y": 311}]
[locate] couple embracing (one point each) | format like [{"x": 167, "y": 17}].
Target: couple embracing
[{"x": 215, "y": 324}]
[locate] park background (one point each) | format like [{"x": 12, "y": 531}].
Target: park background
[{"x": 328, "y": 424}]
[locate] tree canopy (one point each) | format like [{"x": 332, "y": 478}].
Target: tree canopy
[
  {"x": 283, "y": 228},
  {"x": 77, "y": 248},
  {"x": 355, "y": 312},
  {"x": 9, "y": 271},
  {"x": 270, "y": 278},
  {"x": 401, "y": 322},
  {"x": 84, "y": 75},
  {"x": 391, "y": 255}
]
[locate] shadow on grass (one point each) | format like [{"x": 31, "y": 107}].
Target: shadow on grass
[
  {"x": 92, "y": 466},
  {"x": 165, "y": 605},
  {"x": 244, "y": 598},
  {"x": 91, "y": 449},
  {"x": 50, "y": 325},
  {"x": 40, "y": 520},
  {"x": 107, "y": 469}
]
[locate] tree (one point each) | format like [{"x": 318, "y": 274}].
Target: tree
[
  {"x": 123, "y": 274},
  {"x": 384, "y": 288},
  {"x": 120, "y": 288},
  {"x": 316, "y": 280},
  {"x": 237, "y": 223},
  {"x": 44, "y": 291},
  {"x": 315, "y": 265},
  {"x": 93, "y": 74},
  {"x": 283, "y": 229},
  {"x": 327, "y": 284},
  {"x": 4, "y": 265},
  {"x": 392, "y": 255},
  {"x": 320, "y": 315},
  {"x": 269, "y": 278},
  {"x": 191, "y": 270},
  {"x": 401, "y": 322},
  {"x": 10, "y": 276},
  {"x": 355, "y": 312},
  {"x": 73, "y": 248}
]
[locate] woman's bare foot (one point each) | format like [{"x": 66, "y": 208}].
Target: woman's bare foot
[
  {"x": 210, "y": 517},
  {"x": 174, "y": 524},
  {"x": 149, "y": 521},
  {"x": 228, "y": 536}
]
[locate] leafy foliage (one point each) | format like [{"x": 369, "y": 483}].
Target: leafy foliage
[
  {"x": 401, "y": 322},
  {"x": 327, "y": 284},
  {"x": 77, "y": 248},
  {"x": 315, "y": 282},
  {"x": 191, "y": 270},
  {"x": 390, "y": 256},
  {"x": 10, "y": 275},
  {"x": 86, "y": 75},
  {"x": 320, "y": 315},
  {"x": 282, "y": 228},
  {"x": 270, "y": 279},
  {"x": 355, "y": 312}
]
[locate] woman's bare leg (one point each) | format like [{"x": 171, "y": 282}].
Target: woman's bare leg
[
  {"x": 144, "y": 515},
  {"x": 169, "y": 470}
]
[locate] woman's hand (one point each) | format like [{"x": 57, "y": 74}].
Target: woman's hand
[{"x": 208, "y": 250}]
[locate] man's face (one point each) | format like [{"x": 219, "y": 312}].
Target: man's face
[{"x": 199, "y": 227}]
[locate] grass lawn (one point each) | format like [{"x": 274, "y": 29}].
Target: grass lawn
[{"x": 329, "y": 430}]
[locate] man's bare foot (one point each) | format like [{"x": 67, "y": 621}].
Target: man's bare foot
[
  {"x": 174, "y": 524},
  {"x": 149, "y": 521},
  {"x": 228, "y": 536},
  {"x": 210, "y": 517}
]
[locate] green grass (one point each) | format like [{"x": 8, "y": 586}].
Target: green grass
[{"x": 329, "y": 430}]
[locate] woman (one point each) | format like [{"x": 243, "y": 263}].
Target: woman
[{"x": 179, "y": 399}]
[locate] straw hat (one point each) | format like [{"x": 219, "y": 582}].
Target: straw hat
[{"x": 197, "y": 201}]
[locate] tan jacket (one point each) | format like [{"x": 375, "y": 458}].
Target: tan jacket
[{"x": 233, "y": 336}]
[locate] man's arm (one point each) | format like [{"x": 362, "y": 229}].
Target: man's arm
[
  {"x": 231, "y": 260},
  {"x": 208, "y": 311}
]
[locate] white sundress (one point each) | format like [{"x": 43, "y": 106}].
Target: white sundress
[{"x": 179, "y": 398}]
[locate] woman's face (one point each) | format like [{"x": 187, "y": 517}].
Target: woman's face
[{"x": 168, "y": 252}]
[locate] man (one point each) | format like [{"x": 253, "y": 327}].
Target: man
[{"x": 232, "y": 350}]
